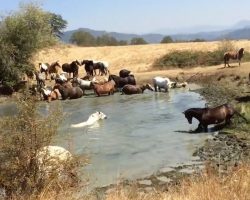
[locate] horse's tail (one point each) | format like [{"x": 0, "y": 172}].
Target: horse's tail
[{"x": 240, "y": 115}]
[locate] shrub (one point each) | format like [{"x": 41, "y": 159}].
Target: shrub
[
  {"x": 186, "y": 58},
  {"x": 22, "y": 136}
]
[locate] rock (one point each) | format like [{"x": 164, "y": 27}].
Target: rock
[
  {"x": 166, "y": 169},
  {"x": 163, "y": 179},
  {"x": 145, "y": 182}
]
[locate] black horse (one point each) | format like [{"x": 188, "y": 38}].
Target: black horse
[
  {"x": 207, "y": 116},
  {"x": 233, "y": 55},
  {"x": 101, "y": 67},
  {"x": 124, "y": 73},
  {"x": 89, "y": 67},
  {"x": 71, "y": 68},
  {"x": 120, "y": 82}
]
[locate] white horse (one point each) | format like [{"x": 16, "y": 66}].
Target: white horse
[
  {"x": 93, "y": 118},
  {"x": 83, "y": 84}
]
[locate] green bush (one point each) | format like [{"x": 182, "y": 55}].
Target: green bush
[{"x": 22, "y": 34}]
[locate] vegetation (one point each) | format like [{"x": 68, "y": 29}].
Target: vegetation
[
  {"x": 85, "y": 39},
  {"x": 22, "y": 34},
  {"x": 167, "y": 39},
  {"x": 137, "y": 41},
  {"x": 190, "y": 58}
]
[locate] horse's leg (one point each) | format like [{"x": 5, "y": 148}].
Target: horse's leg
[{"x": 155, "y": 86}]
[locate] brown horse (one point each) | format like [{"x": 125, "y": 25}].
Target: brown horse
[
  {"x": 54, "y": 95},
  {"x": 135, "y": 89},
  {"x": 233, "y": 55},
  {"x": 207, "y": 116},
  {"x": 106, "y": 88}
]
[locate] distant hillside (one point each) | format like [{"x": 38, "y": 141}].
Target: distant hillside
[{"x": 238, "y": 33}]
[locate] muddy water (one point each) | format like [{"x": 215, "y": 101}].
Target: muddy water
[{"x": 141, "y": 134}]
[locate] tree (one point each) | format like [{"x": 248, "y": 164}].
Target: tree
[
  {"x": 22, "y": 34},
  {"x": 83, "y": 38},
  {"x": 57, "y": 24},
  {"x": 167, "y": 39},
  {"x": 137, "y": 41},
  {"x": 106, "y": 40}
]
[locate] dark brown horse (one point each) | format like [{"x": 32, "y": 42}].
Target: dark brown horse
[
  {"x": 89, "y": 67},
  {"x": 121, "y": 82},
  {"x": 73, "y": 67},
  {"x": 135, "y": 89},
  {"x": 207, "y": 116},
  {"x": 106, "y": 88},
  {"x": 69, "y": 92},
  {"x": 233, "y": 55},
  {"x": 124, "y": 73}
]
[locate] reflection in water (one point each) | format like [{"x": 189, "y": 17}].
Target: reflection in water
[{"x": 138, "y": 137}]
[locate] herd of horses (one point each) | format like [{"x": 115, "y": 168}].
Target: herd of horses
[{"x": 125, "y": 82}]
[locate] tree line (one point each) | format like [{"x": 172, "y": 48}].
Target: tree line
[{"x": 83, "y": 38}]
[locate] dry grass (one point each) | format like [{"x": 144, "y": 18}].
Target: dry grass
[
  {"x": 235, "y": 186},
  {"x": 138, "y": 58}
]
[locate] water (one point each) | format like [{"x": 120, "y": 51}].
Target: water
[{"x": 139, "y": 137}]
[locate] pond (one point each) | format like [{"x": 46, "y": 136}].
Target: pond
[{"x": 142, "y": 133}]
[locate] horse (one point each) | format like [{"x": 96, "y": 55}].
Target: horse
[
  {"x": 54, "y": 95},
  {"x": 69, "y": 92},
  {"x": 40, "y": 79},
  {"x": 73, "y": 67},
  {"x": 233, "y": 55},
  {"x": 121, "y": 82},
  {"x": 93, "y": 118},
  {"x": 161, "y": 83},
  {"x": 124, "y": 73},
  {"x": 106, "y": 88},
  {"x": 83, "y": 84},
  {"x": 207, "y": 116},
  {"x": 89, "y": 67},
  {"x": 49, "y": 69},
  {"x": 135, "y": 89},
  {"x": 102, "y": 66}
]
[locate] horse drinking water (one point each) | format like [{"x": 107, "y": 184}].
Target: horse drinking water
[
  {"x": 233, "y": 55},
  {"x": 207, "y": 116}
]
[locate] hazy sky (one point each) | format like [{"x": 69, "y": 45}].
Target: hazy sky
[{"x": 142, "y": 16}]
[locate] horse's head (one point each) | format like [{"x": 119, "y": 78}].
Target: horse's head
[
  {"x": 241, "y": 52},
  {"x": 188, "y": 116},
  {"x": 78, "y": 63},
  {"x": 149, "y": 87},
  {"x": 97, "y": 116}
]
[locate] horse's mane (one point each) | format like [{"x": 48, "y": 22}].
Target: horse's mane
[{"x": 196, "y": 110}]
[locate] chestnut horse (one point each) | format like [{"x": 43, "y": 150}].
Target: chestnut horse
[
  {"x": 207, "y": 116},
  {"x": 233, "y": 55},
  {"x": 106, "y": 88}
]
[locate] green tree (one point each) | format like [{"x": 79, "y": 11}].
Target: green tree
[
  {"x": 57, "y": 24},
  {"x": 167, "y": 39},
  {"x": 22, "y": 34},
  {"x": 137, "y": 41},
  {"x": 83, "y": 38},
  {"x": 106, "y": 40}
]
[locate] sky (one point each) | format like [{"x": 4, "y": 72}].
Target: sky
[{"x": 143, "y": 16}]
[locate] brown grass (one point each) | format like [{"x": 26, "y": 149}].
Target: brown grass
[{"x": 235, "y": 186}]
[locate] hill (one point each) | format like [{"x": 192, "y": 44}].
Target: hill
[{"x": 240, "y": 30}]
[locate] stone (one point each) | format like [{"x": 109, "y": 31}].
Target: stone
[
  {"x": 145, "y": 182},
  {"x": 163, "y": 179}
]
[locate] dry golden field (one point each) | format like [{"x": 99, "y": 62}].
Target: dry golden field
[{"x": 138, "y": 58}]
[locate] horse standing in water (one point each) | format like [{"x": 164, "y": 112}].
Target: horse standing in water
[
  {"x": 207, "y": 116},
  {"x": 233, "y": 55}
]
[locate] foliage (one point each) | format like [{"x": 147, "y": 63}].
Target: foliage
[
  {"x": 82, "y": 38},
  {"x": 57, "y": 24},
  {"x": 167, "y": 39},
  {"x": 22, "y": 34},
  {"x": 137, "y": 41},
  {"x": 189, "y": 58}
]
